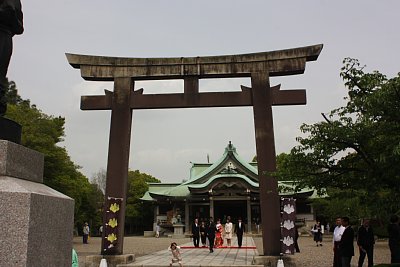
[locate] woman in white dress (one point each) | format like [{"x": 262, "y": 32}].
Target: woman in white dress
[{"x": 228, "y": 231}]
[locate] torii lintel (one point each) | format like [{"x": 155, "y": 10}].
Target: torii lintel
[{"x": 276, "y": 63}]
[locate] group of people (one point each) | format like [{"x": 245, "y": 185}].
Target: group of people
[
  {"x": 343, "y": 239},
  {"x": 215, "y": 233},
  {"x": 211, "y": 232},
  {"x": 343, "y": 242}
]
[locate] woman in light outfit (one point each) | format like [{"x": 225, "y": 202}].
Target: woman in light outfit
[{"x": 228, "y": 231}]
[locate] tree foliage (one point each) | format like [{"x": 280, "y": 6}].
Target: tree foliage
[
  {"x": 139, "y": 214},
  {"x": 356, "y": 148},
  {"x": 43, "y": 133},
  {"x": 100, "y": 179},
  {"x": 282, "y": 167}
]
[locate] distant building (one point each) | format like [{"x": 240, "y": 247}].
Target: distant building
[{"x": 228, "y": 187}]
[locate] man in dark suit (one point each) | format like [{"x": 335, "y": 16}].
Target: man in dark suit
[
  {"x": 211, "y": 229},
  {"x": 346, "y": 244},
  {"x": 239, "y": 230},
  {"x": 394, "y": 238},
  {"x": 196, "y": 233},
  {"x": 365, "y": 242}
]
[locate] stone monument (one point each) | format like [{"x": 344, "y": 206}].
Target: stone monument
[{"x": 36, "y": 221}]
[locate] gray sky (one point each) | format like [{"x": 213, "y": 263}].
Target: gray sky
[{"x": 164, "y": 142}]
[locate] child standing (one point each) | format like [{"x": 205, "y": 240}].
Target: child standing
[{"x": 176, "y": 254}]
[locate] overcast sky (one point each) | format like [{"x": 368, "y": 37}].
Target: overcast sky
[{"x": 164, "y": 142}]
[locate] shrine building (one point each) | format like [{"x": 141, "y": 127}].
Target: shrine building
[{"x": 228, "y": 187}]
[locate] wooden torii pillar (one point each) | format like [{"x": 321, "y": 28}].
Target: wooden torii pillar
[{"x": 125, "y": 71}]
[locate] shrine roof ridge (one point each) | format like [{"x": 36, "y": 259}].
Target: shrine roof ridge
[{"x": 279, "y": 62}]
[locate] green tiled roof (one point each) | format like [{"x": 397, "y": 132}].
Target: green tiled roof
[
  {"x": 204, "y": 175},
  {"x": 223, "y": 176}
]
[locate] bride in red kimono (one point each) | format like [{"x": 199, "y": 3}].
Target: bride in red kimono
[{"x": 219, "y": 241}]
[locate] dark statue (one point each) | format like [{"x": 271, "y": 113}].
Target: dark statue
[{"x": 11, "y": 23}]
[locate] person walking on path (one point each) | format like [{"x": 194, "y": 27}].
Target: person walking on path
[
  {"x": 337, "y": 236},
  {"x": 211, "y": 229},
  {"x": 239, "y": 230},
  {"x": 257, "y": 221},
  {"x": 203, "y": 234},
  {"x": 228, "y": 231},
  {"x": 346, "y": 245},
  {"x": 176, "y": 254},
  {"x": 318, "y": 231},
  {"x": 158, "y": 230},
  {"x": 394, "y": 239},
  {"x": 365, "y": 242},
  {"x": 296, "y": 239},
  {"x": 86, "y": 232},
  {"x": 196, "y": 233}
]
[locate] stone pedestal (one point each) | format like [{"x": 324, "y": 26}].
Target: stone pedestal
[
  {"x": 36, "y": 222},
  {"x": 272, "y": 261},
  {"x": 178, "y": 231},
  {"x": 112, "y": 260}
]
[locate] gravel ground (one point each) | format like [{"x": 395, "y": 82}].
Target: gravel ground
[{"x": 310, "y": 255}]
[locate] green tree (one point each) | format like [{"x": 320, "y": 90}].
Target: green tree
[
  {"x": 100, "y": 178},
  {"x": 42, "y": 133},
  {"x": 11, "y": 95},
  {"x": 139, "y": 214},
  {"x": 356, "y": 148},
  {"x": 282, "y": 166}
]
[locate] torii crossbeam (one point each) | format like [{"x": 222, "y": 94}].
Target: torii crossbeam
[{"x": 124, "y": 71}]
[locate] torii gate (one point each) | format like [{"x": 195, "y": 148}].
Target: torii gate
[{"x": 125, "y": 71}]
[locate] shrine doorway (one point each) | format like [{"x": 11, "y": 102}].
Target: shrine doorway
[{"x": 232, "y": 208}]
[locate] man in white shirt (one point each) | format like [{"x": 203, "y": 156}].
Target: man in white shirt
[
  {"x": 337, "y": 236},
  {"x": 86, "y": 232}
]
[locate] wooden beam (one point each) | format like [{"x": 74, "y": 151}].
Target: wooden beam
[
  {"x": 196, "y": 100},
  {"x": 277, "y": 63}
]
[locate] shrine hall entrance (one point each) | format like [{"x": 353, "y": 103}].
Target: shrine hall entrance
[{"x": 233, "y": 208}]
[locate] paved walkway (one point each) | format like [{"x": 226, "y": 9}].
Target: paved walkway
[
  {"x": 310, "y": 255},
  {"x": 202, "y": 257}
]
